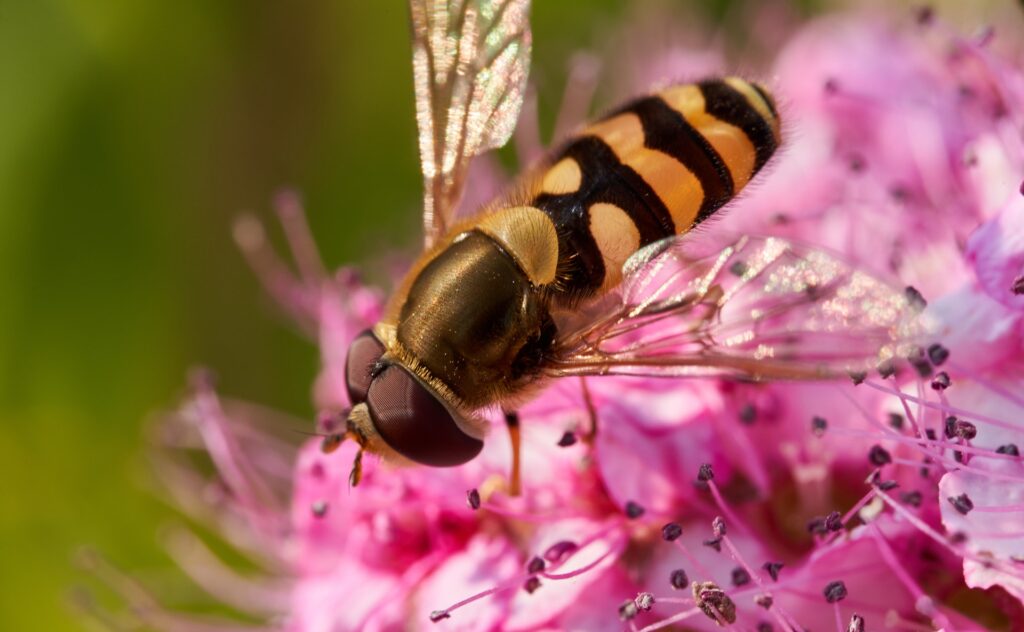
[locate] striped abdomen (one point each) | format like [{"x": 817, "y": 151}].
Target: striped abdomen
[{"x": 654, "y": 168}]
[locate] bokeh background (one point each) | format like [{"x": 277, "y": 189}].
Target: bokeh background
[{"x": 131, "y": 133}]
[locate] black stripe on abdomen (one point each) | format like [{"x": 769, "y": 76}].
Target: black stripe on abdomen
[{"x": 727, "y": 104}]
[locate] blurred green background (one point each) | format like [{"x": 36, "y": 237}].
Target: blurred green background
[{"x": 131, "y": 133}]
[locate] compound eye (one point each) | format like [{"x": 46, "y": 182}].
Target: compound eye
[
  {"x": 415, "y": 423},
  {"x": 363, "y": 353}
]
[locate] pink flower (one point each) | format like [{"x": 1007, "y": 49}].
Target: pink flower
[{"x": 898, "y": 500}]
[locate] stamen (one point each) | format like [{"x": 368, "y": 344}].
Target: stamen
[
  {"x": 835, "y": 591},
  {"x": 961, "y": 503},
  {"x": 678, "y": 579},
  {"x": 633, "y": 510},
  {"x": 924, "y": 603},
  {"x": 568, "y": 438},
  {"x": 473, "y": 499}
]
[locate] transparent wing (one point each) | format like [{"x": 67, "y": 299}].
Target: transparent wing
[
  {"x": 759, "y": 308},
  {"x": 470, "y": 63}
]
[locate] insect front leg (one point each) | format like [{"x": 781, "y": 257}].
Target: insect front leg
[{"x": 512, "y": 423}]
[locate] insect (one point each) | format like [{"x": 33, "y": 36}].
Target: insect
[{"x": 587, "y": 266}]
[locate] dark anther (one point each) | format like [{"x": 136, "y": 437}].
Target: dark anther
[
  {"x": 718, "y": 526},
  {"x": 834, "y": 521},
  {"x": 950, "y": 427},
  {"x": 886, "y": 368},
  {"x": 912, "y": 498},
  {"x": 773, "y": 569},
  {"x": 914, "y": 298},
  {"x": 924, "y": 15},
  {"x": 941, "y": 381},
  {"x": 879, "y": 456},
  {"x": 633, "y": 510},
  {"x": 644, "y": 601},
  {"x": 887, "y": 485},
  {"x": 831, "y": 86},
  {"x": 818, "y": 425},
  {"x": 896, "y": 421},
  {"x": 1018, "y": 284},
  {"x": 856, "y": 624},
  {"x": 835, "y": 591},
  {"x": 473, "y": 499},
  {"x": 567, "y": 439},
  {"x": 748, "y": 414},
  {"x": 739, "y": 268},
  {"x": 764, "y": 626},
  {"x": 330, "y": 443},
  {"x": 714, "y": 543},
  {"x": 678, "y": 579},
  {"x": 535, "y": 565},
  {"x": 319, "y": 508},
  {"x": 705, "y": 473},
  {"x": 938, "y": 354},
  {"x": 965, "y": 429},
  {"x": 817, "y": 526},
  {"x": 740, "y": 576},
  {"x": 711, "y": 600},
  {"x": 961, "y": 503},
  {"x": 628, "y": 610},
  {"x": 957, "y": 537},
  {"x": 958, "y": 456},
  {"x": 532, "y": 584},
  {"x": 439, "y": 615},
  {"x": 765, "y": 601},
  {"x": 1009, "y": 448},
  {"x": 928, "y": 432},
  {"x": 920, "y": 363},
  {"x": 671, "y": 532},
  {"x": 858, "y": 377},
  {"x": 559, "y": 551}
]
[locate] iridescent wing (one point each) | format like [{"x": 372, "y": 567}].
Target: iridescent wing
[
  {"x": 758, "y": 308},
  {"x": 470, "y": 63}
]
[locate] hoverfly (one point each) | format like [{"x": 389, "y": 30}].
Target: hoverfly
[{"x": 587, "y": 266}]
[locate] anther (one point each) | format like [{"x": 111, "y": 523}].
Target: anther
[
  {"x": 740, "y": 576},
  {"x": 718, "y": 526},
  {"x": 319, "y": 508},
  {"x": 705, "y": 473},
  {"x": 567, "y": 439},
  {"x": 965, "y": 430},
  {"x": 765, "y": 601},
  {"x": 831, "y": 86},
  {"x": 473, "y": 499},
  {"x": 531, "y": 584},
  {"x": 713, "y": 602},
  {"x": 817, "y": 526},
  {"x": 739, "y": 268},
  {"x": 858, "y": 377},
  {"x": 671, "y": 532},
  {"x": 559, "y": 551},
  {"x": 713, "y": 543},
  {"x": 764, "y": 626},
  {"x": 439, "y": 615},
  {"x": 912, "y": 498},
  {"x": 818, "y": 425},
  {"x": 835, "y": 591},
  {"x": 941, "y": 381},
  {"x": 628, "y": 610},
  {"x": 879, "y": 456},
  {"x": 1018, "y": 284},
  {"x": 914, "y": 298},
  {"x": 678, "y": 579},
  {"x": 924, "y": 15},
  {"x": 633, "y": 510},
  {"x": 773, "y": 569},
  {"x": 886, "y": 368},
  {"x": 1009, "y": 448},
  {"x": 896, "y": 421},
  {"x": 644, "y": 601},
  {"x": 535, "y": 565},
  {"x": 937, "y": 354},
  {"x": 856, "y": 624},
  {"x": 961, "y": 503},
  {"x": 834, "y": 521}
]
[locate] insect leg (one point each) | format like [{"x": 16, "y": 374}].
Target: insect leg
[
  {"x": 591, "y": 411},
  {"x": 512, "y": 422}
]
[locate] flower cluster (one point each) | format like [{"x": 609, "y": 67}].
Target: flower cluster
[{"x": 891, "y": 500}]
